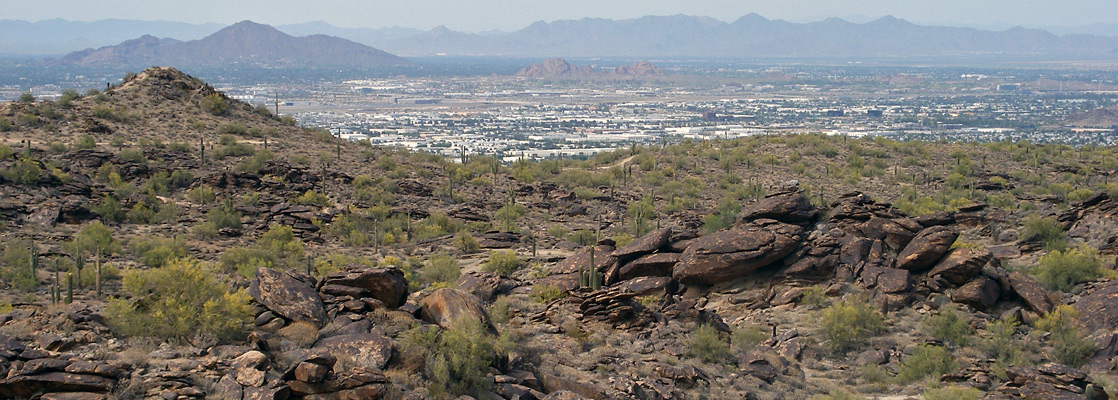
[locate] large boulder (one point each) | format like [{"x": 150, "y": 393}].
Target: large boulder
[
  {"x": 486, "y": 285},
  {"x": 1034, "y": 296},
  {"x": 981, "y": 293},
  {"x": 659, "y": 264},
  {"x": 888, "y": 280},
  {"x": 385, "y": 284},
  {"x": 366, "y": 350},
  {"x": 444, "y": 306},
  {"x": 25, "y": 386},
  {"x": 896, "y": 233},
  {"x": 648, "y": 243},
  {"x": 603, "y": 260},
  {"x": 1050, "y": 382},
  {"x": 961, "y": 265},
  {"x": 792, "y": 207},
  {"x": 1098, "y": 308},
  {"x": 288, "y": 295},
  {"x": 725, "y": 255},
  {"x": 926, "y": 248}
]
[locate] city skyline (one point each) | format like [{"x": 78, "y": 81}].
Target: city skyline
[{"x": 509, "y": 15}]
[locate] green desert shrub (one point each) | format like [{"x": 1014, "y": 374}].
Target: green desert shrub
[
  {"x": 949, "y": 326},
  {"x": 706, "y": 344},
  {"x": 456, "y": 360},
  {"x": 17, "y": 265},
  {"x": 93, "y": 238},
  {"x": 1069, "y": 346},
  {"x": 544, "y": 293},
  {"x": 181, "y": 299},
  {"x": 747, "y": 336},
  {"x": 24, "y": 172},
  {"x": 1062, "y": 270},
  {"x": 246, "y": 260},
  {"x": 466, "y": 242},
  {"x": 224, "y": 217},
  {"x": 1046, "y": 230},
  {"x": 925, "y": 361},
  {"x": 953, "y": 392},
  {"x": 215, "y": 104},
  {"x": 440, "y": 269},
  {"x": 850, "y": 323},
  {"x": 85, "y": 142},
  {"x": 155, "y": 251},
  {"x": 502, "y": 263},
  {"x": 109, "y": 209}
]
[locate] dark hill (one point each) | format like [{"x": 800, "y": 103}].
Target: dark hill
[{"x": 243, "y": 42}]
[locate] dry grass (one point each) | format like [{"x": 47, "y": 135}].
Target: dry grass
[{"x": 302, "y": 333}]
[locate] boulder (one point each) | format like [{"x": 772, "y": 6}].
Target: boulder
[
  {"x": 552, "y": 384},
  {"x": 659, "y": 264},
  {"x": 486, "y": 285},
  {"x": 24, "y": 386},
  {"x": 1034, "y": 296},
  {"x": 366, "y": 350},
  {"x": 443, "y": 306},
  {"x": 981, "y": 293},
  {"x": 1098, "y": 308},
  {"x": 288, "y": 295},
  {"x": 888, "y": 280},
  {"x": 926, "y": 248},
  {"x": 385, "y": 284},
  {"x": 645, "y": 285},
  {"x": 648, "y": 243},
  {"x": 1050, "y": 382},
  {"x": 895, "y": 234},
  {"x": 791, "y": 207},
  {"x": 725, "y": 255},
  {"x": 960, "y": 265},
  {"x": 603, "y": 260}
]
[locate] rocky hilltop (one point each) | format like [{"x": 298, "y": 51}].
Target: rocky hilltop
[
  {"x": 163, "y": 241},
  {"x": 245, "y": 42},
  {"x": 560, "y": 68}
]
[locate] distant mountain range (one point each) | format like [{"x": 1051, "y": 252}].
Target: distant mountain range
[
  {"x": 245, "y": 42},
  {"x": 751, "y": 36}
]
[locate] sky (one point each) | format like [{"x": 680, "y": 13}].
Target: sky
[{"x": 509, "y": 15}]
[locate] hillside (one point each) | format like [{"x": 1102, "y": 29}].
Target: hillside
[
  {"x": 280, "y": 262},
  {"x": 244, "y": 42}
]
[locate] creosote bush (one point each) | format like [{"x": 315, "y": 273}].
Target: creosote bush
[
  {"x": 953, "y": 393},
  {"x": 1062, "y": 270},
  {"x": 707, "y": 344},
  {"x": 949, "y": 326},
  {"x": 181, "y": 299},
  {"x": 155, "y": 251},
  {"x": 456, "y": 360},
  {"x": 466, "y": 242},
  {"x": 546, "y": 293},
  {"x": 1046, "y": 230},
  {"x": 747, "y": 336},
  {"x": 850, "y": 323},
  {"x": 1069, "y": 346},
  {"x": 502, "y": 263},
  {"x": 925, "y": 361}
]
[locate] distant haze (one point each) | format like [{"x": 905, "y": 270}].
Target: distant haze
[{"x": 508, "y": 15}]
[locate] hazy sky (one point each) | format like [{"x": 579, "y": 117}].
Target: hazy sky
[{"x": 481, "y": 15}]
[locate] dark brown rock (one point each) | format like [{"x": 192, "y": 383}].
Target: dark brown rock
[
  {"x": 385, "y": 284},
  {"x": 926, "y": 248},
  {"x": 960, "y": 265},
  {"x": 726, "y": 255},
  {"x": 980, "y": 293},
  {"x": 228, "y": 388},
  {"x": 603, "y": 260},
  {"x": 1098, "y": 308},
  {"x": 486, "y": 285},
  {"x": 552, "y": 383},
  {"x": 646, "y": 244},
  {"x": 444, "y": 306},
  {"x": 888, "y": 280},
  {"x": 645, "y": 285},
  {"x": 311, "y": 372},
  {"x": 24, "y": 386},
  {"x": 287, "y": 295},
  {"x": 74, "y": 396},
  {"x": 791, "y": 207},
  {"x": 659, "y": 264},
  {"x": 1034, "y": 296},
  {"x": 894, "y": 234},
  {"x": 367, "y": 350}
]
